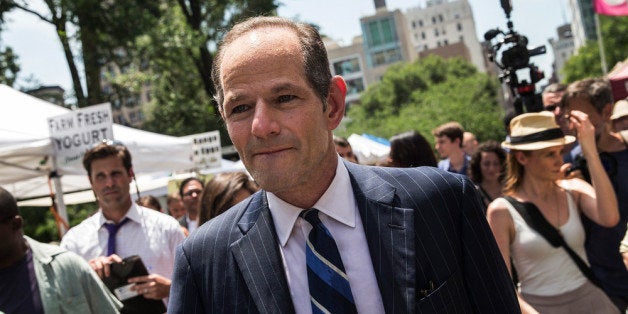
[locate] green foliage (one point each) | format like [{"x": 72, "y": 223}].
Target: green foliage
[
  {"x": 8, "y": 66},
  {"x": 586, "y": 63},
  {"x": 40, "y": 225},
  {"x": 425, "y": 94},
  {"x": 179, "y": 104}
]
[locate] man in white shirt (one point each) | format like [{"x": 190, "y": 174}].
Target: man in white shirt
[
  {"x": 190, "y": 192},
  {"x": 139, "y": 231}
]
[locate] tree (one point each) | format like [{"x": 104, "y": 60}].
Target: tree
[
  {"x": 209, "y": 19},
  {"x": 425, "y": 94},
  {"x": 586, "y": 62},
  {"x": 102, "y": 27},
  {"x": 8, "y": 66}
]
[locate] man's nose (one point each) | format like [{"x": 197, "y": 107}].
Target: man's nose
[{"x": 265, "y": 120}]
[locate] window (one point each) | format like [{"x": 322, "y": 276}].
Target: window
[
  {"x": 459, "y": 27},
  {"x": 440, "y": 17},
  {"x": 345, "y": 67},
  {"x": 438, "y": 44},
  {"x": 433, "y": 20},
  {"x": 425, "y": 47},
  {"x": 446, "y": 42},
  {"x": 381, "y": 32},
  {"x": 443, "y": 32},
  {"x": 461, "y": 39},
  {"x": 421, "y": 23},
  {"x": 436, "y": 32},
  {"x": 413, "y": 24},
  {"x": 355, "y": 86},
  {"x": 422, "y": 35},
  {"x": 386, "y": 56}
]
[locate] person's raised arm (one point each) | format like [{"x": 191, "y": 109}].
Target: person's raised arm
[{"x": 598, "y": 202}]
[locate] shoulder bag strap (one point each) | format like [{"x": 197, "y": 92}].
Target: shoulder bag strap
[{"x": 533, "y": 217}]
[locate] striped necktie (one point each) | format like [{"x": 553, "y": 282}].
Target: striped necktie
[
  {"x": 329, "y": 286},
  {"x": 113, "y": 230}
]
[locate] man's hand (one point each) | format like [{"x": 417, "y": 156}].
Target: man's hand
[
  {"x": 152, "y": 286},
  {"x": 101, "y": 264}
]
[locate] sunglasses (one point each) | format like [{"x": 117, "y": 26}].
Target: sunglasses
[{"x": 550, "y": 108}]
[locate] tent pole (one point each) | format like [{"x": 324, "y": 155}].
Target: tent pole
[{"x": 58, "y": 193}]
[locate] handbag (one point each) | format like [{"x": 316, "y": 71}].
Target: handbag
[{"x": 533, "y": 217}]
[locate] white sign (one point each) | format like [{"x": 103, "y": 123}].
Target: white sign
[
  {"x": 75, "y": 132},
  {"x": 207, "y": 151}
]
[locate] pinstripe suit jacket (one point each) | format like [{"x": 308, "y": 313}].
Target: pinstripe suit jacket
[{"x": 430, "y": 245}]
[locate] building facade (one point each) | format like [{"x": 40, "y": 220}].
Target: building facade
[
  {"x": 563, "y": 48},
  {"x": 582, "y": 22},
  {"x": 445, "y": 28}
]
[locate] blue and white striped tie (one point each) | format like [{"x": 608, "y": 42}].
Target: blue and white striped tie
[{"x": 329, "y": 286}]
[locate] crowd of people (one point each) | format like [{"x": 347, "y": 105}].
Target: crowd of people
[{"x": 535, "y": 223}]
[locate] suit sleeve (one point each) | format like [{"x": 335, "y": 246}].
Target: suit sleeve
[
  {"x": 185, "y": 296},
  {"x": 486, "y": 278}
]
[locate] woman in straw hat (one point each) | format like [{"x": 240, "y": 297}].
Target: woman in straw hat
[{"x": 549, "y": 279}]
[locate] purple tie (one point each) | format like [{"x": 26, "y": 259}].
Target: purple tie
[{"x": 113, "y": 230}]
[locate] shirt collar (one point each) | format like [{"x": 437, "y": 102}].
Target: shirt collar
[
  {"x": 134, "y": 214},
  {"x": 337, "y": 202}
]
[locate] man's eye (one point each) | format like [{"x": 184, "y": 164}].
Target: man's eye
[
  {"x": 285, "y": 98},
  {"x": 239, "y": 109}
]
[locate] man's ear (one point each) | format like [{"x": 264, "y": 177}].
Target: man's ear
[
  {"x": 336, "y": 101},
  {"x": 131, "y": 173},
  {"x": 607, "y": 112}
]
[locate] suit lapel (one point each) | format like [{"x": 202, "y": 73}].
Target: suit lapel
[
  {"x": 390, "y": 236},
  {"x": 258, "y": 258}
]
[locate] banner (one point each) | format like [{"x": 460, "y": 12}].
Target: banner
[
  {"x": 74, "y": 133},
  {"x": 611, "y": 7}
]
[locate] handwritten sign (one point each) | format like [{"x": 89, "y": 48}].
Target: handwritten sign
[
  {"x": 75, "y": 132},
  {"x": 207, "y": 151}
]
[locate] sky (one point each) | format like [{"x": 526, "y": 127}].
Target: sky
[{"x": 41, "y": 55}]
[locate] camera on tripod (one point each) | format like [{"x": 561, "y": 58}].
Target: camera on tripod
[{"x": 515, "y": 55}]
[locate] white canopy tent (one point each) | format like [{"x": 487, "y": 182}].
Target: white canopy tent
[{"x": 26, "y": 149}]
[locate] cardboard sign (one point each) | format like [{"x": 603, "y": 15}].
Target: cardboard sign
[
  {"x": 74, "y": 133},
  {"x": 207, "y": 151}
]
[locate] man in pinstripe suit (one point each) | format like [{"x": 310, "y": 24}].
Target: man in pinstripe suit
[{"x": 411, "y": 240}]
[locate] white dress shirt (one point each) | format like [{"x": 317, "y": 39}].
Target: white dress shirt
[
  {"x": 150, "y": 234},
  {"x": 339, "y": 213}
]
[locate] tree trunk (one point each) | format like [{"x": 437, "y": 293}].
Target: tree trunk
[{"x": 90, "y": 61}]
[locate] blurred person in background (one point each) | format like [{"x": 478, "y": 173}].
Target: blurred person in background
[
  {"x": 343, "y": 148},
  {"x": 550, "y": 281},
  {"x": 222, "y": 192},
  {"x": 448, "y": 138},
  {"x": 593, "y": 97},
  {"x": 620, "y": 116},
  {"x": 486, "y": 170},
  {"x": 175, "y": 205},
  {"x": 190, "y": 191},
  {"x": 410, "y": 149},
  {"x": 149, "y": 201},
  {"x": 469, "y": 143},
  {"x": 42, "y": 278}
]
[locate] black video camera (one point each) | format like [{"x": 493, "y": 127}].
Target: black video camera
[{"x": 515, "y": 55}]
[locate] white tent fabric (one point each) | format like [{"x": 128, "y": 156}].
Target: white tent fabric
[
  {"x": 26, "y": 149},
  {"x": 369, "y": 152}
]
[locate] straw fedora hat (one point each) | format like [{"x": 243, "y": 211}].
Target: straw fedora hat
[
  {"x": 532, "y": 131},
  {"x": 620, "y": 109}
]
